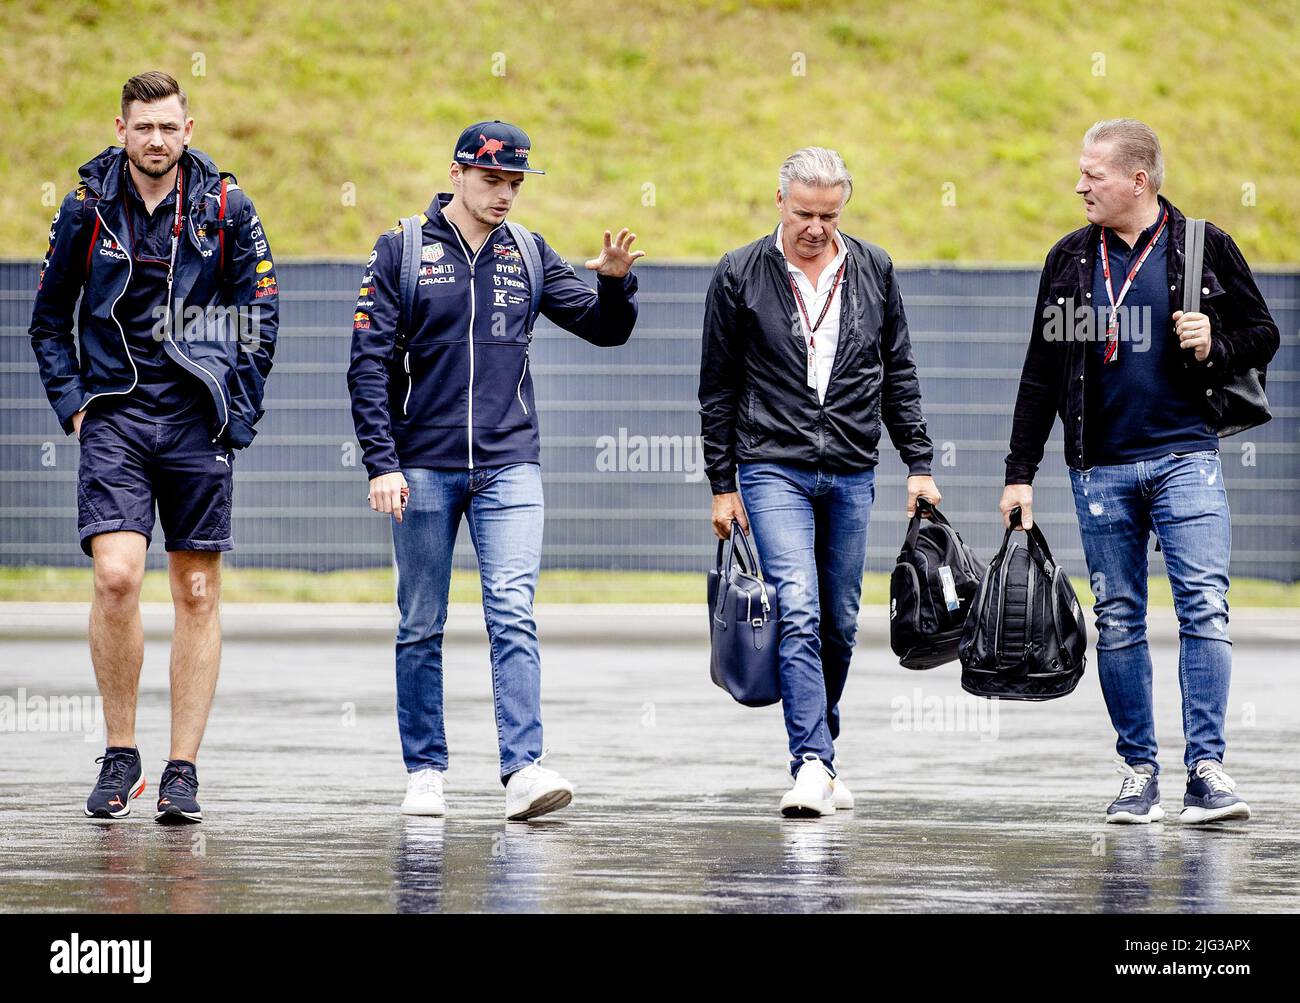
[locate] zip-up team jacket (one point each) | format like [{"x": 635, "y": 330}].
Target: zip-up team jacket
[
  {"x": 222, "y": 260},
  {"x": 460, "y": 395}
]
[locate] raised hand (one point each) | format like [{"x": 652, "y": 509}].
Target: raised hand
[{"x": 617, "y": 256}]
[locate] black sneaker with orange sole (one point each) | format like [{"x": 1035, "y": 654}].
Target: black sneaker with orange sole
[
  {"x": 176, "y": 794},
  {"x": 121, "y": 778}
]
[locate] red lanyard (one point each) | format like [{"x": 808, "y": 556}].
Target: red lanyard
[
  {"x": 812, "y": 328},
  {"x": 1112, "y": 324}
]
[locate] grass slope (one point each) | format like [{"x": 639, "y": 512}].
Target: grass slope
[{"x": 702, "y": 102}]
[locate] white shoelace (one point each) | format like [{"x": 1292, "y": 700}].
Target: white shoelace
[
  {"x": 1134, "y": 782},
  {"x": 1212, "y": 773}
]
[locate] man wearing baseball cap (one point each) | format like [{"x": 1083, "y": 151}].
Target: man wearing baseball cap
[{"x": 443, "y": 404}]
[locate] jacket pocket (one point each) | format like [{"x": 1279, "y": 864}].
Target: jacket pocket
[
  {"x": 502, "y": 386},
  {"x": 904, "y": 608},
  {"x": 431, "y": 387}
]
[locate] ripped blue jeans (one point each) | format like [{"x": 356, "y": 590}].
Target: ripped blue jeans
[{"x": 1181, "y": 497}]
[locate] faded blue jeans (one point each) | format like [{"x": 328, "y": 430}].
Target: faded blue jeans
[
  {"x": 504, "y": 508},
  {"x": 1181, "y": 498},
  {"x": 810, "y": 527}
]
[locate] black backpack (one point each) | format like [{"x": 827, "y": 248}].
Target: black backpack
[
  {"x": 1025, "y": 638},
  {"x": 930, "y": 592}
]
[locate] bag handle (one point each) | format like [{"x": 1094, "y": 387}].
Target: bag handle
[
  {"x": 924, "y": 507},
  {"x": 1034, "y": 536},
  {"x": 750, "y": 555},
  {"x": 1193, "y": 263},
  {"x": 727, "y": 555},
  {"x": 1013, "y": 520},
  {"x": 728, "y": 552}
]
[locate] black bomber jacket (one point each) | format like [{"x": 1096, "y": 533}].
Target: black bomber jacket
[{"x": 755, "y": 404}]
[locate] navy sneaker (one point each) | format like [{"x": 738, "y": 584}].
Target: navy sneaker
[
  {"x": 176, "y": 790},
  {"x": 1139, "y": 796},
  {"x": 1209, "y": 796},
  {"x": 121, "y": 778}
]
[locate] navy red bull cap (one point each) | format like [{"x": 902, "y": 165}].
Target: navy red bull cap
[{"x": 495, "y": 145}]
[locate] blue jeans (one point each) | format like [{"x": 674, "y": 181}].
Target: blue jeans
[
  {"x": 504, "y": 506},
  {"x": 810, "y": 527},
  {"x": 1181, "y": 497}
]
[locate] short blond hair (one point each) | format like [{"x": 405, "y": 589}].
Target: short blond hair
[{"x": 1137, "y": 148}]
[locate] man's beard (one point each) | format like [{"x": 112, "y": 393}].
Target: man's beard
[{"x": 150, "y": 168}]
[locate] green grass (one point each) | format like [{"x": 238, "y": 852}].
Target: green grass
[
  {"x": 699, "y": 101},
  {"x": 240, "y": 585}
]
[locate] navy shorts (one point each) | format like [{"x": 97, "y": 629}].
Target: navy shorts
[{"x": 129, "y": 464}]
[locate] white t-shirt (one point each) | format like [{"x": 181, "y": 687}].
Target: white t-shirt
[{"x": 827, "y": 337}]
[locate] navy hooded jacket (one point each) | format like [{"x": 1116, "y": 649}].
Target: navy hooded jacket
[
  {"x": 87, "y": 257},
  {"x": 461, "y": 396}
]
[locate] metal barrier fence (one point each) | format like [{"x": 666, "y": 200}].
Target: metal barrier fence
[{"x": 620, "y": 435}]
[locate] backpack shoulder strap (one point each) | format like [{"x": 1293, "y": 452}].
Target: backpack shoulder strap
[
  {"x": 221, "y": 218},
  {"x": 89, "y": 202},
  {"x": 532, "y": 268},
  {"x": 409, "y": 277},
  {"x": 1193, "y": 261}
]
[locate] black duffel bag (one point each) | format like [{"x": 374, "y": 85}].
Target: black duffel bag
[
  {"x": 931, "y": 589},
  {"x": 1025, "y": 638}
]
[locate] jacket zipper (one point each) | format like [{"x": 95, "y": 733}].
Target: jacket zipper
[
  {"x": 221, "y": 394},
  {"x": 1002, "y": 602},
  {"x": 473, "y": 302},
  {"x": 962, "y": 558},
  {"x": 519, "y": 390},
  {"x": 469, "y": 397},
  {"x": 135, "y": 373},
  {"x": 1029, "y": 600},
  {"x": 410, "y": 382}
]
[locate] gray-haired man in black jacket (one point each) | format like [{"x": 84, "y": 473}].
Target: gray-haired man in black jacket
[
  {"x": 805, "y": 356},
  {"x": 1139, "y": 385}
]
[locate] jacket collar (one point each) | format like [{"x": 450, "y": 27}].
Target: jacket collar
[
  {"x": 848, "y": 245},
  {"x": 1082, "y": 246},
  {"x": 102, "y": 174},
  {"x": 440, "y": 202},
  {"x": 1085, "y": 239},
  {"x": 841, "y": 249}
]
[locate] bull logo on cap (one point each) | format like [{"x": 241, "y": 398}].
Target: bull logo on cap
[{"x": 491, "y": 147}]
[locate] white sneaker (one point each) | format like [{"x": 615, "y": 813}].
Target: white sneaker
[
  {"x": 424, "y": 793},
  {"x": 534, "y": 791},
  {"x": 843, "y": 796},
  {"x": 813, "y": 793}
]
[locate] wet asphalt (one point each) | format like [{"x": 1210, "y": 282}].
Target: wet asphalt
[{"x": 962, "y": 805}]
